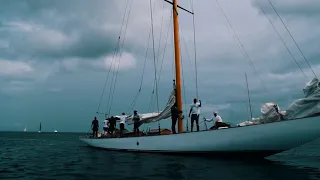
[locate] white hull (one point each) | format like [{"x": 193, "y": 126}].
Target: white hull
[{"x": 261, "y": 140}]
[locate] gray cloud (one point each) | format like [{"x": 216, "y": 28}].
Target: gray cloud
[{"x": 67, "y": 47}]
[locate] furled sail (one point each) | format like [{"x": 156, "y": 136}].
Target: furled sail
[
  {"x": 307, "y": 106},
  {"x": 300, "y": 108},
  {"x": 156, "y": 116}
]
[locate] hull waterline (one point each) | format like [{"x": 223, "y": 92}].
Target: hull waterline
[{"x": 255, "y": 141}]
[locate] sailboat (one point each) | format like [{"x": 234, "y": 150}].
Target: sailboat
[
  {"x": 25, "y": 129},
  {"x": 273, "y": 133},
  {"x": 39, "y": 128}
]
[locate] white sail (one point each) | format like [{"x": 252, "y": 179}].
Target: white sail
[
  {"x": 300, "y": 108},
  {"x": 307, "y": 106},
  {"x": 156, "y": 116}
]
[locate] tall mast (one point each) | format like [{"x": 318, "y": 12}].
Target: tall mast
[
  {"x": 177, "y": 62},
  {"x": 245, "y": 74}
]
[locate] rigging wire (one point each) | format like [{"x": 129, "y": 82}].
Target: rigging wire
[
  {"x": 134, "y": 101},
  {"x": 104, "y": 87},
  {"x": 246, "y": 54},
  {"x": 165, "y": 46},
  {"x": 154, "y": 57},
  {"x": 284, "y": 43},
  {"x": 142, "y": 76},
  {"x": 159, "y": 45},
  {"x": 184, "y": 87},
  {"x": 163, "y": 54},
  {"x": 188, "y": 56},
  {"x": 113, "y": 57},
  {"x": 151, "y": 103},
  {"x": 194, "y": 45},
  {"x": 292, "y": 38},
  {"x": 125, "y": 31}
]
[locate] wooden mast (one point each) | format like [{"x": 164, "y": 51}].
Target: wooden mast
[{"x": 177, "y": 62}]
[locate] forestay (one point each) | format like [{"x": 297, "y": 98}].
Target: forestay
[{"x": 156, "y": 116}]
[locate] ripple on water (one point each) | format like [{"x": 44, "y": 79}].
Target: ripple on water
[{"x": 45, "y": 156}]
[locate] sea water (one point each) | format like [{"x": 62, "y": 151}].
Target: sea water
[{"x": 28, "y": 155}]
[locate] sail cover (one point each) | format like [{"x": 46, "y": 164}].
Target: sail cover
[
  {"x": 307, "y": 106},
  {"x": 155, "y": 116}
]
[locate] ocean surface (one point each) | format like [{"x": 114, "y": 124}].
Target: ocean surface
[{"x": 27, "y": 155}]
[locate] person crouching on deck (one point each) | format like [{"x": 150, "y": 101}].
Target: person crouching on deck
[
  {"x": 95, "y": 127},
  {"x": 217, "y": 121},
  {"x": 123, "y": 118},
  {"x": 136, "y": 124},
  {"x": 195, "y": 112}
]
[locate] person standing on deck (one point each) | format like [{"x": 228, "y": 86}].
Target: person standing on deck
[
  {"x": 105, "y": 126},
  {"x": 136, "y": 124},
  {"x": 174, "y": 116},
  {"x": 95, "y": 127},
  {"x": 113, "y": 122},
  {"x": 123, "y": 118},
  {"x": 195, "y": 112}
]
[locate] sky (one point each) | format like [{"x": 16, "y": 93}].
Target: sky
[{"x": 55, "y": 57}]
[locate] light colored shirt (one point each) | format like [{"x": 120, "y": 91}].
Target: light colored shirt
[
  {"x": 105, "y": 123},
  {"x": 123, "y": 119},
  {"x": 195, "y": 108},
  {"x": 217, "y": 119}
]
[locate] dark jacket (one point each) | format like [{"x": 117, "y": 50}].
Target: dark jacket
[
  {"x": 136, "y": 118},
  {"x": 175, "y": 112}
]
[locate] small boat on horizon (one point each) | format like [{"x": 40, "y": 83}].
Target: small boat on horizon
[{"x": 40, "y": 128}]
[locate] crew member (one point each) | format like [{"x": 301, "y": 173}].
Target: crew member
[
  {"x": 122, "y": 121},
  {"x": 195, "y": 112},
  {"x": 174, "y": 117},
  {"x": 217, "y": 121},
  {"x": 136, "y": 124},
  {"x": 95, "y": 127}
]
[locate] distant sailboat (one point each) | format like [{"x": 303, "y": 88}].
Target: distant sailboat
[
  {"x": 25, "y": 129},
  {"x": 55, "y": 131},
  {"x": 40, "y": 128}
]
